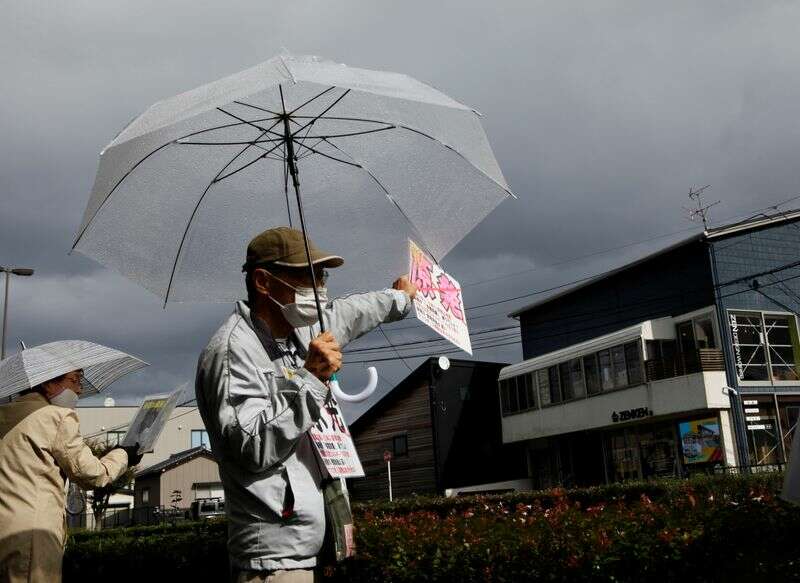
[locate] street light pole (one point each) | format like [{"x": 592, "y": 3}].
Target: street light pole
[{"x": 9, "y": 271}]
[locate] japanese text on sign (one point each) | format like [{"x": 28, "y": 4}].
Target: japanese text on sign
[
  {"x": 438, "y": 302},
  {"x": 334, "y": 444}
]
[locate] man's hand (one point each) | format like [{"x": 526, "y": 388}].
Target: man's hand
[
  {"x": 404, "y": 284},
  {"x": 324, "y": 356}
]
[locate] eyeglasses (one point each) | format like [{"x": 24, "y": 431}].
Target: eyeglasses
[{"x": 322, "y": 277}]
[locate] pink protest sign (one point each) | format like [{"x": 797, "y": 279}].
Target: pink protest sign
[{"x": 439, "y": 302}]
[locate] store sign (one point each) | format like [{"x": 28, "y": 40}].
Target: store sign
[
  {"x": 631, "y": 414},
  {"x": 737, "y": 350}
]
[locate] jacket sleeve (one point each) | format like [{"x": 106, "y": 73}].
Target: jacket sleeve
[
  {"x": 353, "y": 316},
  {"x": 78, "y": 462},
  {"x": 271, "y": 413}
]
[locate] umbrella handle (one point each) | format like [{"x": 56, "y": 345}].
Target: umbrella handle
[{"x": 340, "y": 395}]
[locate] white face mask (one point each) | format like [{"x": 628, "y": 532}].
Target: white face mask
[
  {"x": 303, "y": 311},
  {"x": 66, "y": 398}
]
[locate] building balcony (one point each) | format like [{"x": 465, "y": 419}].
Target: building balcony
[{"x": 703, "y": 360}]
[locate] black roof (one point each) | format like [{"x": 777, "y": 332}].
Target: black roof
[
  {"x": 175, "y": 459},
  {"x": 759, "y": 221}
]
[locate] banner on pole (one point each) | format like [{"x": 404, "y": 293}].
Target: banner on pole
[{"x": 438, "y": 302}]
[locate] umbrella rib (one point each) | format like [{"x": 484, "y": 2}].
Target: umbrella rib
[
  {"x": 264, "y": 109},
  {"x": 214, "y": 181},
  {"x": 252, "y": 124},
  {"x": 161, "y": 147},
  {"x": 389, "y": 196},
  {"x": 265, "y": 155},
  {"x": 323, "y": 154},
  {"x": 299, "y": 107},
  {"x": 351, "y": 134},
  {"x": 421, "y": 133},
  {"x": 317, "y": 96},
  {"x": 324, "y": 111},
  {"x": 280, "y": 139},
  {"x": 237, "y": 143},
  {"x": 102, "y": 204}
]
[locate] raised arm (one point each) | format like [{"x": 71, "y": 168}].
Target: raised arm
[
  {"x": 78, "y": 462},
  {"x": 353, "y": 316}
]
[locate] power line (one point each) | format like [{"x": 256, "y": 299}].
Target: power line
[
  {"x": 629, "y": 306},
  {"x": 429, "y": 340},
  {"x": 631, "y": 244},
  {"x": 571, "y": 331}
]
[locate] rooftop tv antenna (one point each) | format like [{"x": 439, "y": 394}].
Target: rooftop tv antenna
[{"x": 700, "y": 211}]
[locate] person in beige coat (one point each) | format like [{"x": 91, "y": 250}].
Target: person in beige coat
[{"x": 41, "y": 446}]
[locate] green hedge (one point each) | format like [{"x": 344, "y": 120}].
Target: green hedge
[{"x": 706, "y": 529}]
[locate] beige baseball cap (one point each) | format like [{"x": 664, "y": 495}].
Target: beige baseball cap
[{"x": 284, "y": 246}]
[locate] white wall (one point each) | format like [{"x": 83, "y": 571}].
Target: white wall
[{"x": 176, "y": 437}]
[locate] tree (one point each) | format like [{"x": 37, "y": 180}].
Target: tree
[{"x": 100, "y": 496}]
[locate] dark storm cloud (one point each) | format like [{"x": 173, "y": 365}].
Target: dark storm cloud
[{"x": 602, "y": 114}]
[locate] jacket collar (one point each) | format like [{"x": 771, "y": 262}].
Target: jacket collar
[
  {"x": 259, "y": 327},
  {"x": 34, "y": 397}
]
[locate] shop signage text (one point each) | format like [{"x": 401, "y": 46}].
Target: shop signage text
[{"x": 631, "y": 414}]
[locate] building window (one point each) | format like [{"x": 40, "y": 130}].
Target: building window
[
  {"x": 114, "y": 438},
  {"x": 513, "y": 398},
  {"x": 400, "y": 445},
  {"x": 620, "y": 372},
  {"x": 704, "y": 333},
  {"x": 504, "y": 405},
  {"x": 782, "y": 342},
  {"x": 633, "y": 361},
  {"x": 200, "y": 437},
  {"x": 530, "y": 387},
  {"x": 591, "y": 374},
  {"x": 543, "y": 384},
  {"x": 576, "y": 376},
  {"x": 566, "y": 382},
  {"x": 518, "y": 394},
  {"x": 606, "y": 372},
  {"x": 145, "y": 495},
  {"x": 765, "y": 346},
  {"x": 555, "y": 388}
]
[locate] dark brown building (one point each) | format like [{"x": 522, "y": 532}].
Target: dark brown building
[{"x": 443, "y": 429}]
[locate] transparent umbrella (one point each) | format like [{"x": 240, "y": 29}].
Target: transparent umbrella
[
  {"x": 360, "y": 160},
  {"x": 101, "y": 366}
]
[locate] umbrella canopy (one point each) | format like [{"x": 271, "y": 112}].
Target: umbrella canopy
[
  {"x": 381, "y": 158},
  {"x": 101, "y": 366}
]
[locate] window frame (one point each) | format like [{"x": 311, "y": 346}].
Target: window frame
[
  {"x": 403, "y": 437},
  {"x": 763, "y": 314},
  {"x": 192, "y": 433}
]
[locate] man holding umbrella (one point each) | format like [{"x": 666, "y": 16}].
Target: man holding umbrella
[
  {"x": 41, "y": 445},
  {"x": 261, "y": 385}
]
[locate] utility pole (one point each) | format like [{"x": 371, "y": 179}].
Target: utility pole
[
  {"x": 700, "y": 211},
  {"x": 9, "y": 271}
]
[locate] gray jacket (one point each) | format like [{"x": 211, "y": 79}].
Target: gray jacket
[{"x": 257, "y": 403}]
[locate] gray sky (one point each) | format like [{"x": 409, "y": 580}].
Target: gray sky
[{"x": 601, "y": 114}]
